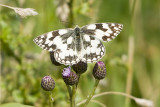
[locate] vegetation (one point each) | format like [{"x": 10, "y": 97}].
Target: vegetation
[{"x": 132, "y": 59}]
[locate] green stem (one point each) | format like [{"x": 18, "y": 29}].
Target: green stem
[
  {"x": 92, "y": 93},
  {"x": 51, "y": 99},
  {"x": 73, "y": 96},
  {"x": 130, "y": 54},
  {"x": 79, "y": 75},
  {"x": 70, "y": 94}
]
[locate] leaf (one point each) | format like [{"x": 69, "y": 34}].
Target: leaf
[{"x": 15, "y": 105}]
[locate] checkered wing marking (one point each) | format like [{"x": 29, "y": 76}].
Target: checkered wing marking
[
  {"x": 93, "y": 49},
  {"x": 66, "y": 53},
  {"x": 53, "y": 40},
  {"x": 103, "y": 31}
]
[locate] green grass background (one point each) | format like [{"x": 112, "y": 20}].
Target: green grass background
[{"x": 23, "y": 63}]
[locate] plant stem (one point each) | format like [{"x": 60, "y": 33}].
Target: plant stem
[
  {"x": 51, "y": 99},
  {"x": 92, "y": 93},
  {"x": 107, "y": 93},
  {"x": 79, "y": 75},
  {"x": 130, "y": 53},
  {"x": 70, "y": 94},
  {"x": 130, "y": 68},
  {"x": 73, "y": 96},
  {"x": 97, "y": 102},
  {"x": 6, "y": 6}
]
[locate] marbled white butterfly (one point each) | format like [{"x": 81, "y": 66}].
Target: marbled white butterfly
[{"x": 79, "y": 44}]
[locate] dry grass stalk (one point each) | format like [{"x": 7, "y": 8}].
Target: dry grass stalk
[
  {"x": 23, "y": 12},
  {"x": 139, "y": 101}
]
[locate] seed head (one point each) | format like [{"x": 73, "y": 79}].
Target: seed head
[
  {"x": 47, "y": 83},
  {"x": 99, "y": 71}
]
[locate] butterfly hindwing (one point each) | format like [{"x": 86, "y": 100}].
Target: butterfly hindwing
[
  {"x": 66, "y": 53},
  {"x": 103, "y": 31},
  {"x": 93, "y": 49}
]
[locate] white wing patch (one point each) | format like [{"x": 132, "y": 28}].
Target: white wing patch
[
  {"x": 62, "y": 31},
  {"x": 91, "y": 27}
]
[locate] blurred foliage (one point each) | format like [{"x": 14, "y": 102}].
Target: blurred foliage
[{"x": 24, "y": 64}]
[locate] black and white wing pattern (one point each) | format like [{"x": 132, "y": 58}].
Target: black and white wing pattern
[
  {"x": 103, "y": 31},
  {"x": 62, "y": 43},
  {"x": 93, "y": 49},
  {"x": 66, "y": 53},
  {"x": 80, "y": 44},
  {"x": 53, "y": 40},
  {"x": 93, "y": 34}
]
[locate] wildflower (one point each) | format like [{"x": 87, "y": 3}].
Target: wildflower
[
  {"x": 69, "y": 77},
  {"x": 99, "y": 70},
  {"x": 47, "y": 83}
]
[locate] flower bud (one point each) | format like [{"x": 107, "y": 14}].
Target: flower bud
[
  {"x": 99, "y": 70},
  {"x": 69, "y": 77},
  {"x": 47, "y": 83},
  {"x": 80, "y": 67},
  {"x": 53, "y": 59}
]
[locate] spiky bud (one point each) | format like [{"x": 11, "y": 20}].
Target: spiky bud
[
  {"x": 47, "y": 83},
  {"x": 69, "y": 77},
  {"x": 80, "y": 67},
  {"x": 53, "y": 59},
  {"x": 99, "y": 70}
]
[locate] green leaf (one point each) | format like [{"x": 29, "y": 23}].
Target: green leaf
[{"x": 15, "y": 105}]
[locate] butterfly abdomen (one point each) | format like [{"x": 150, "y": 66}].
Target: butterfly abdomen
[{"x": 78, "y": 39}]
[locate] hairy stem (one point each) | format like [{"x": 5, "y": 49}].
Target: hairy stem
[{"x": 92, "y": 93}]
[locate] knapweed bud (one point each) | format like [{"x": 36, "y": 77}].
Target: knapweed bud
[
  {"x": 80, "y": 67},
  {"x": 47, "y": 83},
  {"x": 99, "y": 70},
  {"x": 53, "y": 59},
  {"x": 69, "y": 77}
]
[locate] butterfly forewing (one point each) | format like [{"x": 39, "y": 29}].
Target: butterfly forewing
[
  {"x": 103, "y": 31},
  {"x": 53, "y": 40}
]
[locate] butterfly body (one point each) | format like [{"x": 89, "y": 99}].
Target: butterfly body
[
  {"x": 79, "y": 44},
  {"x": 78, "y": 39}
]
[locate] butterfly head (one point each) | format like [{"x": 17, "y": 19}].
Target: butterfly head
[{"x": 77, "y": 30}]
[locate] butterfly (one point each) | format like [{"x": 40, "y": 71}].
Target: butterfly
[{"x": 79, "y": 44}]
